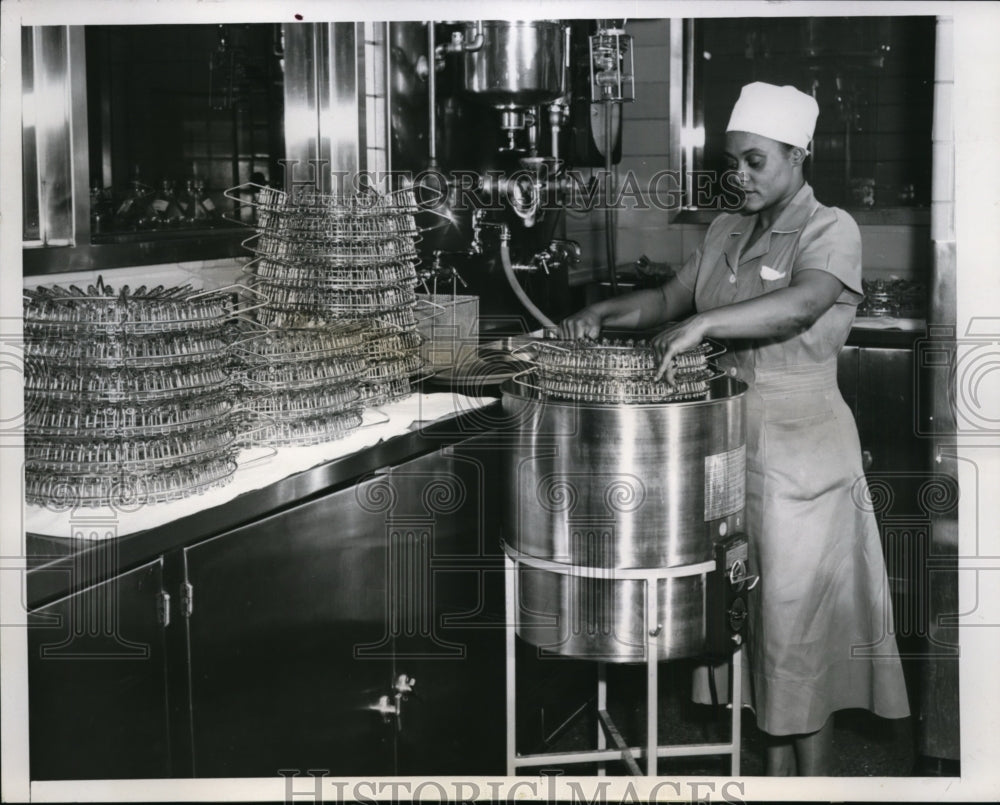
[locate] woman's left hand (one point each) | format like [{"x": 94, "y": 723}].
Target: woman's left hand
[{"x": 678, "y": 338}]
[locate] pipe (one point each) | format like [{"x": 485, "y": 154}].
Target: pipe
[
  {"x": 478, "y": 40},
  {"x": 508, "y": 270},
  {"x": 555, "y": 123},
  {"x": 431, "y": 97},
  {"x": 388, "y": 102},
  {"x": 609, "y": 237}
]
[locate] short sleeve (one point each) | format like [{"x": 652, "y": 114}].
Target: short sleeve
[
  {"x": 831, "y": 242},
  {"x": 688, "y": 273}
]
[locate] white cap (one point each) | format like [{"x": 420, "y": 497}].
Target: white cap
[{"x": 781, "y": 113}]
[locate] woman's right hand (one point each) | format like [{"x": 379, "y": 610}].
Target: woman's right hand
[{"x": 584, "y": 323}]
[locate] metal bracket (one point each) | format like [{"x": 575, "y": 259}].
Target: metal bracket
[
  {"x": 163, "y": 608},
  {"x": 187, "y": 599}
]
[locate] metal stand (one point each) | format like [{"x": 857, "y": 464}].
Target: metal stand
[{"x": 606, "y": 730}]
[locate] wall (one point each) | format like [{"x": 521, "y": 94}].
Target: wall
[{"x": 645, "y": 150}]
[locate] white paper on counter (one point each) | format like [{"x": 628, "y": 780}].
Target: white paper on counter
[{"x": 403, "y": 416}]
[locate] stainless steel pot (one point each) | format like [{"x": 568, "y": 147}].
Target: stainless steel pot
[
  {"x": 620, "y": 486},
  {"x": 520, "y": 63}
]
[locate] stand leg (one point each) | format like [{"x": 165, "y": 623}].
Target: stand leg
[
  {"x": 736, "y": 671},
  {"x": 652, "y": 680},
  {"x": 510, "y": 585},
  {"x": 602, "y": 705}
]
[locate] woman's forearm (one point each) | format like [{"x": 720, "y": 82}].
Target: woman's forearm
[
  {"x": 646, "y": 309},
  {"x": 778, "y": 314},
  {"x": 638, "y": 310}
]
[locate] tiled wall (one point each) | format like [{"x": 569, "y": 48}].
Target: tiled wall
[
  {"x": 645, "y": 137},
  {"x": 889, "y": 250}
]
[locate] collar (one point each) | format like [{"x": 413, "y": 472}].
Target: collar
[{"x": 790, "y": 220}]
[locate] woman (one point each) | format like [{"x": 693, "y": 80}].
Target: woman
[{"x": 779, "y": 283}]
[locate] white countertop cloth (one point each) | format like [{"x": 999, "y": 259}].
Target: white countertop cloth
[
  {"x": 888, "y": 323},
  {"x": 105, "y": 523}
]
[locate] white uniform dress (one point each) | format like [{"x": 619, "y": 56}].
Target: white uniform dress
[{"x": 820, "y": 627}]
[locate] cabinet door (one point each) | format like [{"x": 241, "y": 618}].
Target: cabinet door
[
  {"x": 303, "y": 624},
  {"x": 446, "y": 572},
  {"x": 900, "y": 478},
  {"x": 886, "y": 410},
  {"x": 280, "y": 614},
  {"x": 97, "y": 682}
]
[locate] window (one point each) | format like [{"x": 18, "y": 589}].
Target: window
[{"x": 873, "y": 78}]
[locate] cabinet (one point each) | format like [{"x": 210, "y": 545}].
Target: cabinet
[
  {"x": 359, "y": 629},
  {"x": 880, "y": 385},
  {"x": 303, "y": 627},
  {"x": 97, "y": 681}
]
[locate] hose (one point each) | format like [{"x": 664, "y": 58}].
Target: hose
[{"x": 508, "y": 270}]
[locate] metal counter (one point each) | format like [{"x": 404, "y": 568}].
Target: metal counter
[{"x": 59, "y": 566}]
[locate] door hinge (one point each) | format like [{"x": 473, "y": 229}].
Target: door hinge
[
  {"x": 163, "y": 608},
  {"x": 187, "y": 599}
]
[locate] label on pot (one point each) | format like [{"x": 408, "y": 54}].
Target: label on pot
[{"x": 725, "y": 483}]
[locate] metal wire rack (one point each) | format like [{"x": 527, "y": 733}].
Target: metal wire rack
[
  {"x": 68, "y": 313},
  {"x": 125, "y": 490},
  {"x": 128, "y": 393},
  {"x": 616, "y": 372},
  {"x": 299, "y": 252},
  {"x": 306, "y": 201},
  {"x": 337, "y": 302},
  {"x": 335, "y": 341},
  {"x": 402, "y": 319},
  {"x": 305, "y": 430},
  {"x": 386, "y": 391},
  {"x": 323, "y": 258},
  {"x": 321, "y": 274},
  {"x": 136, "y": 352},
  {"x": 384, "y": 342},
  {"x": 624, "y": 391},
  {"x": 128, "y": 421},
  {"x": 144, "y": 457},
  {"x": 401, "y": 366},
  {"x": 335, "y": 230},
  {"x": 614, "y": 358},
  {"x": 288, "y": 405},
  {"x": 124, "y": 386},
  {"x": 307, "y": 374}
]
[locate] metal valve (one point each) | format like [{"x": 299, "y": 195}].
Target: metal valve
[
  {"x": 404, "y": 684},
  {"x": 738, "y": 576},
  {"x": 385, "y": 707}
]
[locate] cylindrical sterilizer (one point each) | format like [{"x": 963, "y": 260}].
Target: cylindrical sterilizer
[{"x": 610, "y": 473}]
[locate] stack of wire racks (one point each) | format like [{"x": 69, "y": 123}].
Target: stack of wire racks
[
  {"x": 325, "y": 262},
  {"x": 128, "y": 397},
  {"x": 302, "y": 386}
]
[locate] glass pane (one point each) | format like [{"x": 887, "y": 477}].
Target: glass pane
[
  {"x": 29, "y": 158},
  {"x": 872, "y": 78},
  {"x": 51, "y": 98},
  {"x": 177, "y": 115}
]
